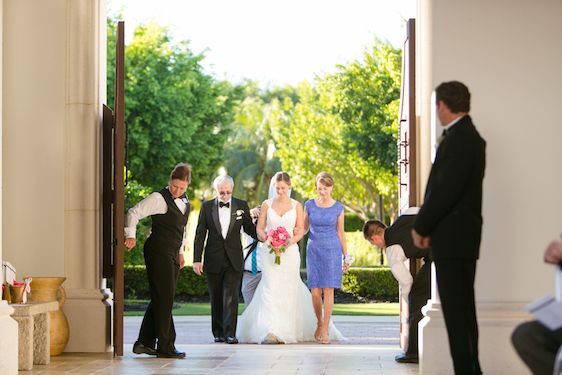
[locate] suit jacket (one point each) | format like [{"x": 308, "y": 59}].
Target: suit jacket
[
  {"x": 216, "y": 247},
  {"x": 400, "y": 233},
  {"x": 452, "y": 210}
]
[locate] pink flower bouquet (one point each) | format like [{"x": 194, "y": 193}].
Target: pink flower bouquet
[{"x": 277, "y": 240}]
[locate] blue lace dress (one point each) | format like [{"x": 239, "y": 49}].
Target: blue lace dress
[{"x": 323, "y": 250}]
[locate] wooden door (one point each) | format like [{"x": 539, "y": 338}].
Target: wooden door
[
  {"x": 407, "y": 158},
  {"x": 113, "y": 165}
]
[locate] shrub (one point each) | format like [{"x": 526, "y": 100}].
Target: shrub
[
  {"x": 373, "y": 283},
  {"x": 189, "y": 284}
]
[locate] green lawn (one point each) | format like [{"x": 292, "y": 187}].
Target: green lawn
[{"x": 382, "y": 308}]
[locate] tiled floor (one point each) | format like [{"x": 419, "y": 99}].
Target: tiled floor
[{"x": 370, "y": 349}]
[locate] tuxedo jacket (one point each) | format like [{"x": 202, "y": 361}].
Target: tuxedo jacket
[
  {"x": 452, "y": 209},
  {"x": 208, "y": 235}
]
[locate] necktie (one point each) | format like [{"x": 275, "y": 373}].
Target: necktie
[
  {"x": 222, "y": 204},
  {"x": 254, "y": 262}
]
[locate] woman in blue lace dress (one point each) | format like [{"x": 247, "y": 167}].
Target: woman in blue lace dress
[{"x": 324, "y": 218}]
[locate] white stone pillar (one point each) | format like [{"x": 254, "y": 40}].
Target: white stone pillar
[
  {"x": 8, "y": 326},
  {"x": 509, "y": 57},
  {"x": 8, "y": 341},
  {"x": 85, "y": 93}
]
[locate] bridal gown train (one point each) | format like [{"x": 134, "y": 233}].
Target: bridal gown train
[{"x": 282, "y": 304}]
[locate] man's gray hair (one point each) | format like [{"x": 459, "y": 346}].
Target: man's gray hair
[{"x": 221, "y": 180}]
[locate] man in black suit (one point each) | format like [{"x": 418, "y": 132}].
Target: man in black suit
[
  {"x": 450, "y": 221},
  {"x": 220, "y": 221}
]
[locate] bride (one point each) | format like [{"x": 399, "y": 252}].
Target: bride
[{"x": 281, "y": 310}]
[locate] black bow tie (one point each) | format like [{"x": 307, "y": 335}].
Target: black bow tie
[{"x": 222, "y": 204}]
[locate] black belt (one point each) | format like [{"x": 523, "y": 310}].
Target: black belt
[{"x": 251, "y": 271}]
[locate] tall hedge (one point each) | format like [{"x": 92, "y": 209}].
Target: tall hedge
[{"x": 374, "y": 283}]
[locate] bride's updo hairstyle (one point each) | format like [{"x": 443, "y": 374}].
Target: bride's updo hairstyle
[
  {"x": 282, "y": 176},
  {"x": 325, "y": 179}
]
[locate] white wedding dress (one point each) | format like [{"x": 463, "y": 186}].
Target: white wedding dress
[{"x": 282, "y": 304}]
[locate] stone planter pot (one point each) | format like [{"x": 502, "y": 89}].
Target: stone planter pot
[{"x": 46, "y": 289}]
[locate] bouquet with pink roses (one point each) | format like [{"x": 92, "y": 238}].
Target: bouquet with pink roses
[{"x": 277, "y": 240}]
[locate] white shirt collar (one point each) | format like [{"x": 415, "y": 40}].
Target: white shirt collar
[{"x": 450, "y": 125}]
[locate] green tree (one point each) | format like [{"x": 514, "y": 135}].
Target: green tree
[
  {"x": 347, "y": 125},
  {"x": 173, "y": 110},
  {"x": 249, "y": 151}
]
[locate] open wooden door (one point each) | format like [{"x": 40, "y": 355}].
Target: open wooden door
[
  {"x": 407, "y": 146},
  {"x": 113, "y": 191},
  {"x": 407, "y": 153}
]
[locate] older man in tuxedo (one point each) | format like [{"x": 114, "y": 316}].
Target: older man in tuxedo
[
  {"x": 218, "y": 236},
  {"x": 450, "y": 221}
]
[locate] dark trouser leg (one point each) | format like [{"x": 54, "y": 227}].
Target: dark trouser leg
[
  {"x": 214, "y": 281},
  {"x": 419, "y": 294},
  {"x": 455, "y": 280},
  {"x": 163, "y": 271},
  {"x": 537, "y": 346},
  {"x": 231, "y": 292},
  {"x": 147, "y": 333}
]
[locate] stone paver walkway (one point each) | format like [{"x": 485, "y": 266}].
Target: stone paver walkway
[{"x": 370, "y": 349}]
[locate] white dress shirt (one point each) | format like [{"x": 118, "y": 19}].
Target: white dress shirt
[
  {"x": 248, "y": 240},
  {"x": 224, "y": 218},
  {"x": 154, "y": 204},
  {"x": 397, "y": 262}
]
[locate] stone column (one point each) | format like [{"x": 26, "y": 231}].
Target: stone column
[
  {"x": 8, "y": 326},
  {"x": 85, "y": 93},
  {"x": 515, "y": 101},
  {"x": 8, "y": 340}
]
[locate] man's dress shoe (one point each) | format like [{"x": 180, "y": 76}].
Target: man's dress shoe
[
  {"x": 139, "y": 348},
  {"x": 231, "y": 340},
  {"x": 407, "y": 358},
  {"x": 174, "y": 354},
  {"x": 219, "y": 339}
]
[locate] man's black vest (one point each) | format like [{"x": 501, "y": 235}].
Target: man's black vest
[
  {"x": 168, "y": 228},
  {"x": 400, "y": 233}
]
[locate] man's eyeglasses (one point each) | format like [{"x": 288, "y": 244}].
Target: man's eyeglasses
[{"x": 225, "y": 192}]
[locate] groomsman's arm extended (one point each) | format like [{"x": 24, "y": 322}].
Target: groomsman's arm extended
[
  {"x": 152, "y": 205},
  {"x": 200, "y": 236}
]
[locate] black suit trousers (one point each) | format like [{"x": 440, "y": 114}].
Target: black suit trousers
[
  {"x": 224, "y": 292},
  {"x": 537, "y": 346},
  {"x": 419, "y": 294},
  {"x": 455, "y": 281},
  {"x": 158, "y": 325}
]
